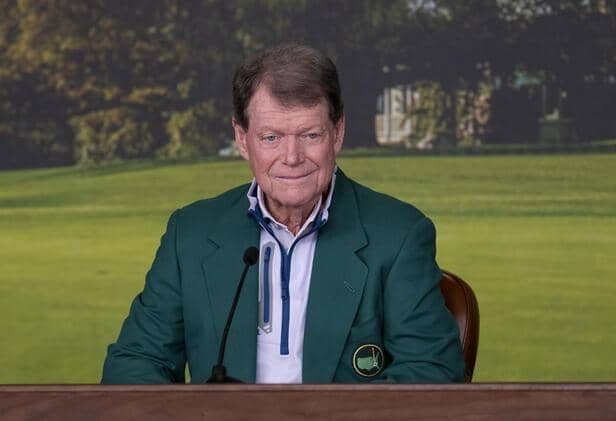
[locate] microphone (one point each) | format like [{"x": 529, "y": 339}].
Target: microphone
[{"x": 219, "y": 372}]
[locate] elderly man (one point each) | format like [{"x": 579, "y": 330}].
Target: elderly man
[{"x": 346, "y": 287}]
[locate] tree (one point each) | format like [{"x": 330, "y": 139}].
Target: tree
[
  {"x": 459, "y": 45},
  {"x": 33, "y": 127},
  {"x": 572, "y": 45},
  {"x": 365, "y": 38},
  {"x": 123, "y": 69}
]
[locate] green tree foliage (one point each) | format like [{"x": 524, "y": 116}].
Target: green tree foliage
[
  {"x": 572, "y": 45},
  {"x": 33, "y": 128},
  {"x": 568, "y": 46},
  {"x": 115, "y": 133},
  {"x": 457, "y": 45},
  {"x": 367, "y": 40},
  {"x": 109, "y": 79},
  {"x": 188, "y": 132},
  {"x": 119, "y": 71}
]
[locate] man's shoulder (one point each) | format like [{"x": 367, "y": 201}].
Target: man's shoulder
[
  {"x": 383, "y": 209},
  {"x": 217, "y": 206},
  {"x": 389, "y": 224}
]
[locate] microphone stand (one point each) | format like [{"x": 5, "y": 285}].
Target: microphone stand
[{"x": 219, "y": 371}]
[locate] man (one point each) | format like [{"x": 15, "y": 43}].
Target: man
[{"x": 346, "y": 289}]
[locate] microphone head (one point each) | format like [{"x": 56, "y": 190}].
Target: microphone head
[{"x": 251, "y": 255}]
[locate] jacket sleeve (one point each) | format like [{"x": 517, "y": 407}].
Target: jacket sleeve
[
  {"x": 150, "y": 347},
  {"x": 420, "y": 334}
]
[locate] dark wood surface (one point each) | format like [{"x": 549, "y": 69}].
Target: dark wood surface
[{"x": 581, "y": 401}]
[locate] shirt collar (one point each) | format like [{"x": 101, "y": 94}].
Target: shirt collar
[{"x": 321, "y": 210}]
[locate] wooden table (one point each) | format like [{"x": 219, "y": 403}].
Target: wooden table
[{"x": 508, "y": 401}]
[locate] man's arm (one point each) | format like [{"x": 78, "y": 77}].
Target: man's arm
[
  {"x": 420, "y": 334},
  {"x": 150, "y": 348}
]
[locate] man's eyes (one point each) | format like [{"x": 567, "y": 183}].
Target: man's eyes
[
  {"x": 269, "y": 138},
  {"x": 312, "y": 136}
]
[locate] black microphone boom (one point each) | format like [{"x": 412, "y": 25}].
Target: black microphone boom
[{"x": 219, "y": 372}]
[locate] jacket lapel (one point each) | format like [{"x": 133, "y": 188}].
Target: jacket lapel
[
  {"x": 222, "y": 267},
  {"x": 336, "y": 286}
]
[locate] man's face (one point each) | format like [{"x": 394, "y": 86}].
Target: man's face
[{"x": 291, "y": 151}]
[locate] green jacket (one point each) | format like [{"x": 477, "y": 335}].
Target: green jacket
[{"x": 374, "y": 281}]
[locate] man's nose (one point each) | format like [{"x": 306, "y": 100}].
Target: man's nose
[{"x": 293, "y": 153}]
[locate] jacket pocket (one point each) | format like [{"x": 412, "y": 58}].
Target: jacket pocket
[{"x": 366, "y": 333}]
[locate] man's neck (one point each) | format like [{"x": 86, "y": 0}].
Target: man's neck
[{"x": 293, "y": 218}]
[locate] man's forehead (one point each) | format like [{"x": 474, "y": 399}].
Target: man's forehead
[
  {"x": 291, "y": 121},
  {"x": 265, "y": 110}
]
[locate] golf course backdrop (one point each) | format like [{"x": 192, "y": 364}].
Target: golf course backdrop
[{"x": 535, "y": 236}]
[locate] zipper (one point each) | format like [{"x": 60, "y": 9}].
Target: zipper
[{"x": 285, "y": 275}]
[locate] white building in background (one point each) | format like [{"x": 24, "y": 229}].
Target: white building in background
[{"x": 392, "y": 122}]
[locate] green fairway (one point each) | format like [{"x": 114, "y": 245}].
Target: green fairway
[{"x": 534, "y": 235}]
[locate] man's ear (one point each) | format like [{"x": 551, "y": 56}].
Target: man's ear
[
  {"x": 240, "y": 139},
  {"x": 339, "y": 133}
]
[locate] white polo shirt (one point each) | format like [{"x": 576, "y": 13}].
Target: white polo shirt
[{"x": 285, "y": 267}]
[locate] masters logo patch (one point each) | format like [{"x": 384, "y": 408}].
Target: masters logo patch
[{"x": 368, "y": 360}]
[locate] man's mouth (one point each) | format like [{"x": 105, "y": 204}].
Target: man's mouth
[{"x": 292, "y": 177}]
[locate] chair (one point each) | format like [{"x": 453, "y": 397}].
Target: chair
[{"x": 462, "y": 303}]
